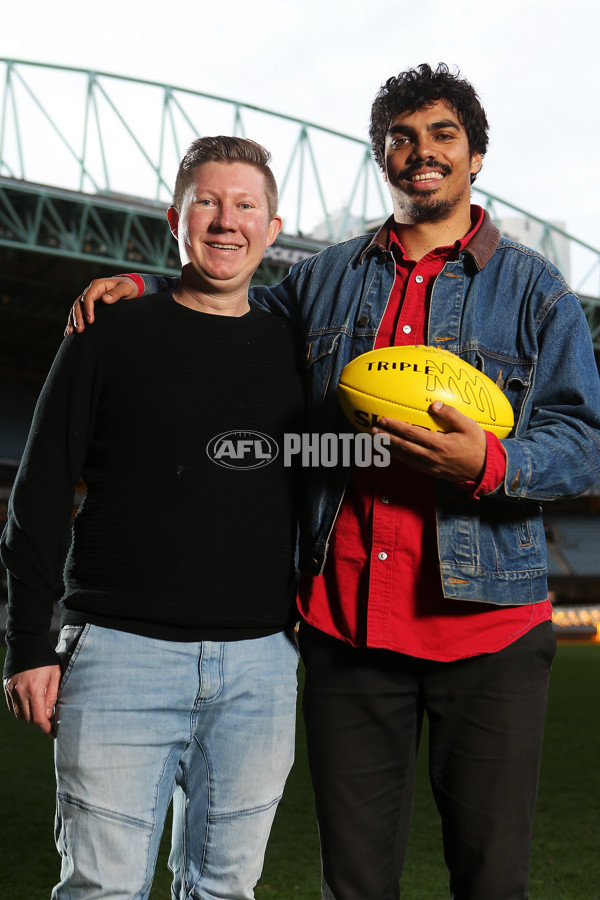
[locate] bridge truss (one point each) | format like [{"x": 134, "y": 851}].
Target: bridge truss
[{"x": 87, "y": 161}]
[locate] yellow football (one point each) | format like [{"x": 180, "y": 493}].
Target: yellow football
[{"x": 402, "y": 382}]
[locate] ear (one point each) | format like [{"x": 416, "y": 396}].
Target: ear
[
  {"x": 173, "y": 217},
  {"x": 476, "y": 163},
  {"x": 273, "y": 229}
]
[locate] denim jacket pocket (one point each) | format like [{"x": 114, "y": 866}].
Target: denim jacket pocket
[
  {"x": 512, "y": 376},
  {"x": 518, "y": 539},
  {"x": 319, "y": 360}
]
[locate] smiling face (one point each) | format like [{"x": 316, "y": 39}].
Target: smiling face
[
  {"x": 223, "y": 228},
  {"x": 428, "y": 165}
]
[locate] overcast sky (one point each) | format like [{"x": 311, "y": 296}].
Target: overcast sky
[{"x": 533, "y": 62}]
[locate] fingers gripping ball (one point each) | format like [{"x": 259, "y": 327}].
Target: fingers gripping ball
[{"x": 402, "y": 383}]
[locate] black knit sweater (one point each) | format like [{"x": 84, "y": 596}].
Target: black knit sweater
[{"x": 166, "y": 543}]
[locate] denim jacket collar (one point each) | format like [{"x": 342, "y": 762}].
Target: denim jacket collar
[{"x": 481, "y": 247}]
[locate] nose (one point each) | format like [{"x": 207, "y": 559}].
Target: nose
[
  {"x": 224, "y": 218},
  {"x": 422, "y": 147}
]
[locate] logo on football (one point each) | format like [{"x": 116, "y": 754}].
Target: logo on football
[{"x": 402, "y": 382}]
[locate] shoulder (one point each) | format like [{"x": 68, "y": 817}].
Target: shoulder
[
  {"x": 527, "y": 259},
  {"x": 526, "y": 276},
  {"x": 141, "y": 316},
  {"x": 114, "y": 325},
  {"x": 338, "y": 254},
  {"x": 146, "y": 307},
  {"x": 530, "y": 268}
]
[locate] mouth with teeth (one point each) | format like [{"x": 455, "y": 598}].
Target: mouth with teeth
[
  {"x": 424, "y": 175},
  {"x": 428, "y": 176},
  {"x": 216, "y": 246}
]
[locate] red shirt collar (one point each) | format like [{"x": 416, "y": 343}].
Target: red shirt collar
[{"x": 477, "y": 215}]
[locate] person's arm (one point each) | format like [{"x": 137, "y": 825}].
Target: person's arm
[
  {"x": 554, "y": 452},
  {"x": 37, "y": 533},
  {"x": 281, "y": 299},
  {"x": 110, "y": 290}
]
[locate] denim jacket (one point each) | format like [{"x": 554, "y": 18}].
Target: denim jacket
[{"x": 506, "y": 310}]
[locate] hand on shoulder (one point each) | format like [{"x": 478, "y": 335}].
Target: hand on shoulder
[{"x": 109, "y": 290}]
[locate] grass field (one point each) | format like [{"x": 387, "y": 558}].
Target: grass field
[{"x": 566, "y": 857}]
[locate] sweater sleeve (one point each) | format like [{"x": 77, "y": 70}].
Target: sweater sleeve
[{"x": 37, "y": 534}]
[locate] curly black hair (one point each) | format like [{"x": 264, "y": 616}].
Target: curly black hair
[{"x": 416, "y": 88}]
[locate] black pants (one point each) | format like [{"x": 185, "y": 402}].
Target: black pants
[{"x": 364, "y": 710}]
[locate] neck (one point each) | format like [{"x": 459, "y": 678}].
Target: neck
[
  {"x": 235, "y": 304},
  {"x": 419, "y": 238}
]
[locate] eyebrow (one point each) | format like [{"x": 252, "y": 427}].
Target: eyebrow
[{"x": 434, "y": 126}]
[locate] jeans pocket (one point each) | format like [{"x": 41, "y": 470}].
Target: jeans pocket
[
  {"x": 70, "y": 641},
  {"x": 292, "y": 632}
]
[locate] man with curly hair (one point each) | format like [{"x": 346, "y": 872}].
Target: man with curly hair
[{"x": 424, "y": 590}]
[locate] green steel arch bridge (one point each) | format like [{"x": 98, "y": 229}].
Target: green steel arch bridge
[{"x": 87, "y": 161}]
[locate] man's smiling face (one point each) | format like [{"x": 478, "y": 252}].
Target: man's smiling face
[
  {"x": 428, "y": 164},
  {"x": 224, "y": 226}
]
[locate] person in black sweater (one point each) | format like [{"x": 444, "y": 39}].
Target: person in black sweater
[{"x": 175, "y": 672}]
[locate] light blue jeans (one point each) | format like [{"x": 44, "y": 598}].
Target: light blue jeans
[{"x": 141, "y": 721}]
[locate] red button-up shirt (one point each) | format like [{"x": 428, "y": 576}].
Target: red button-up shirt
[{"x": 381, "y": 585}]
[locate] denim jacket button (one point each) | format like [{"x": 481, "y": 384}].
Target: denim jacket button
[{"x": 364, "y": 320}]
